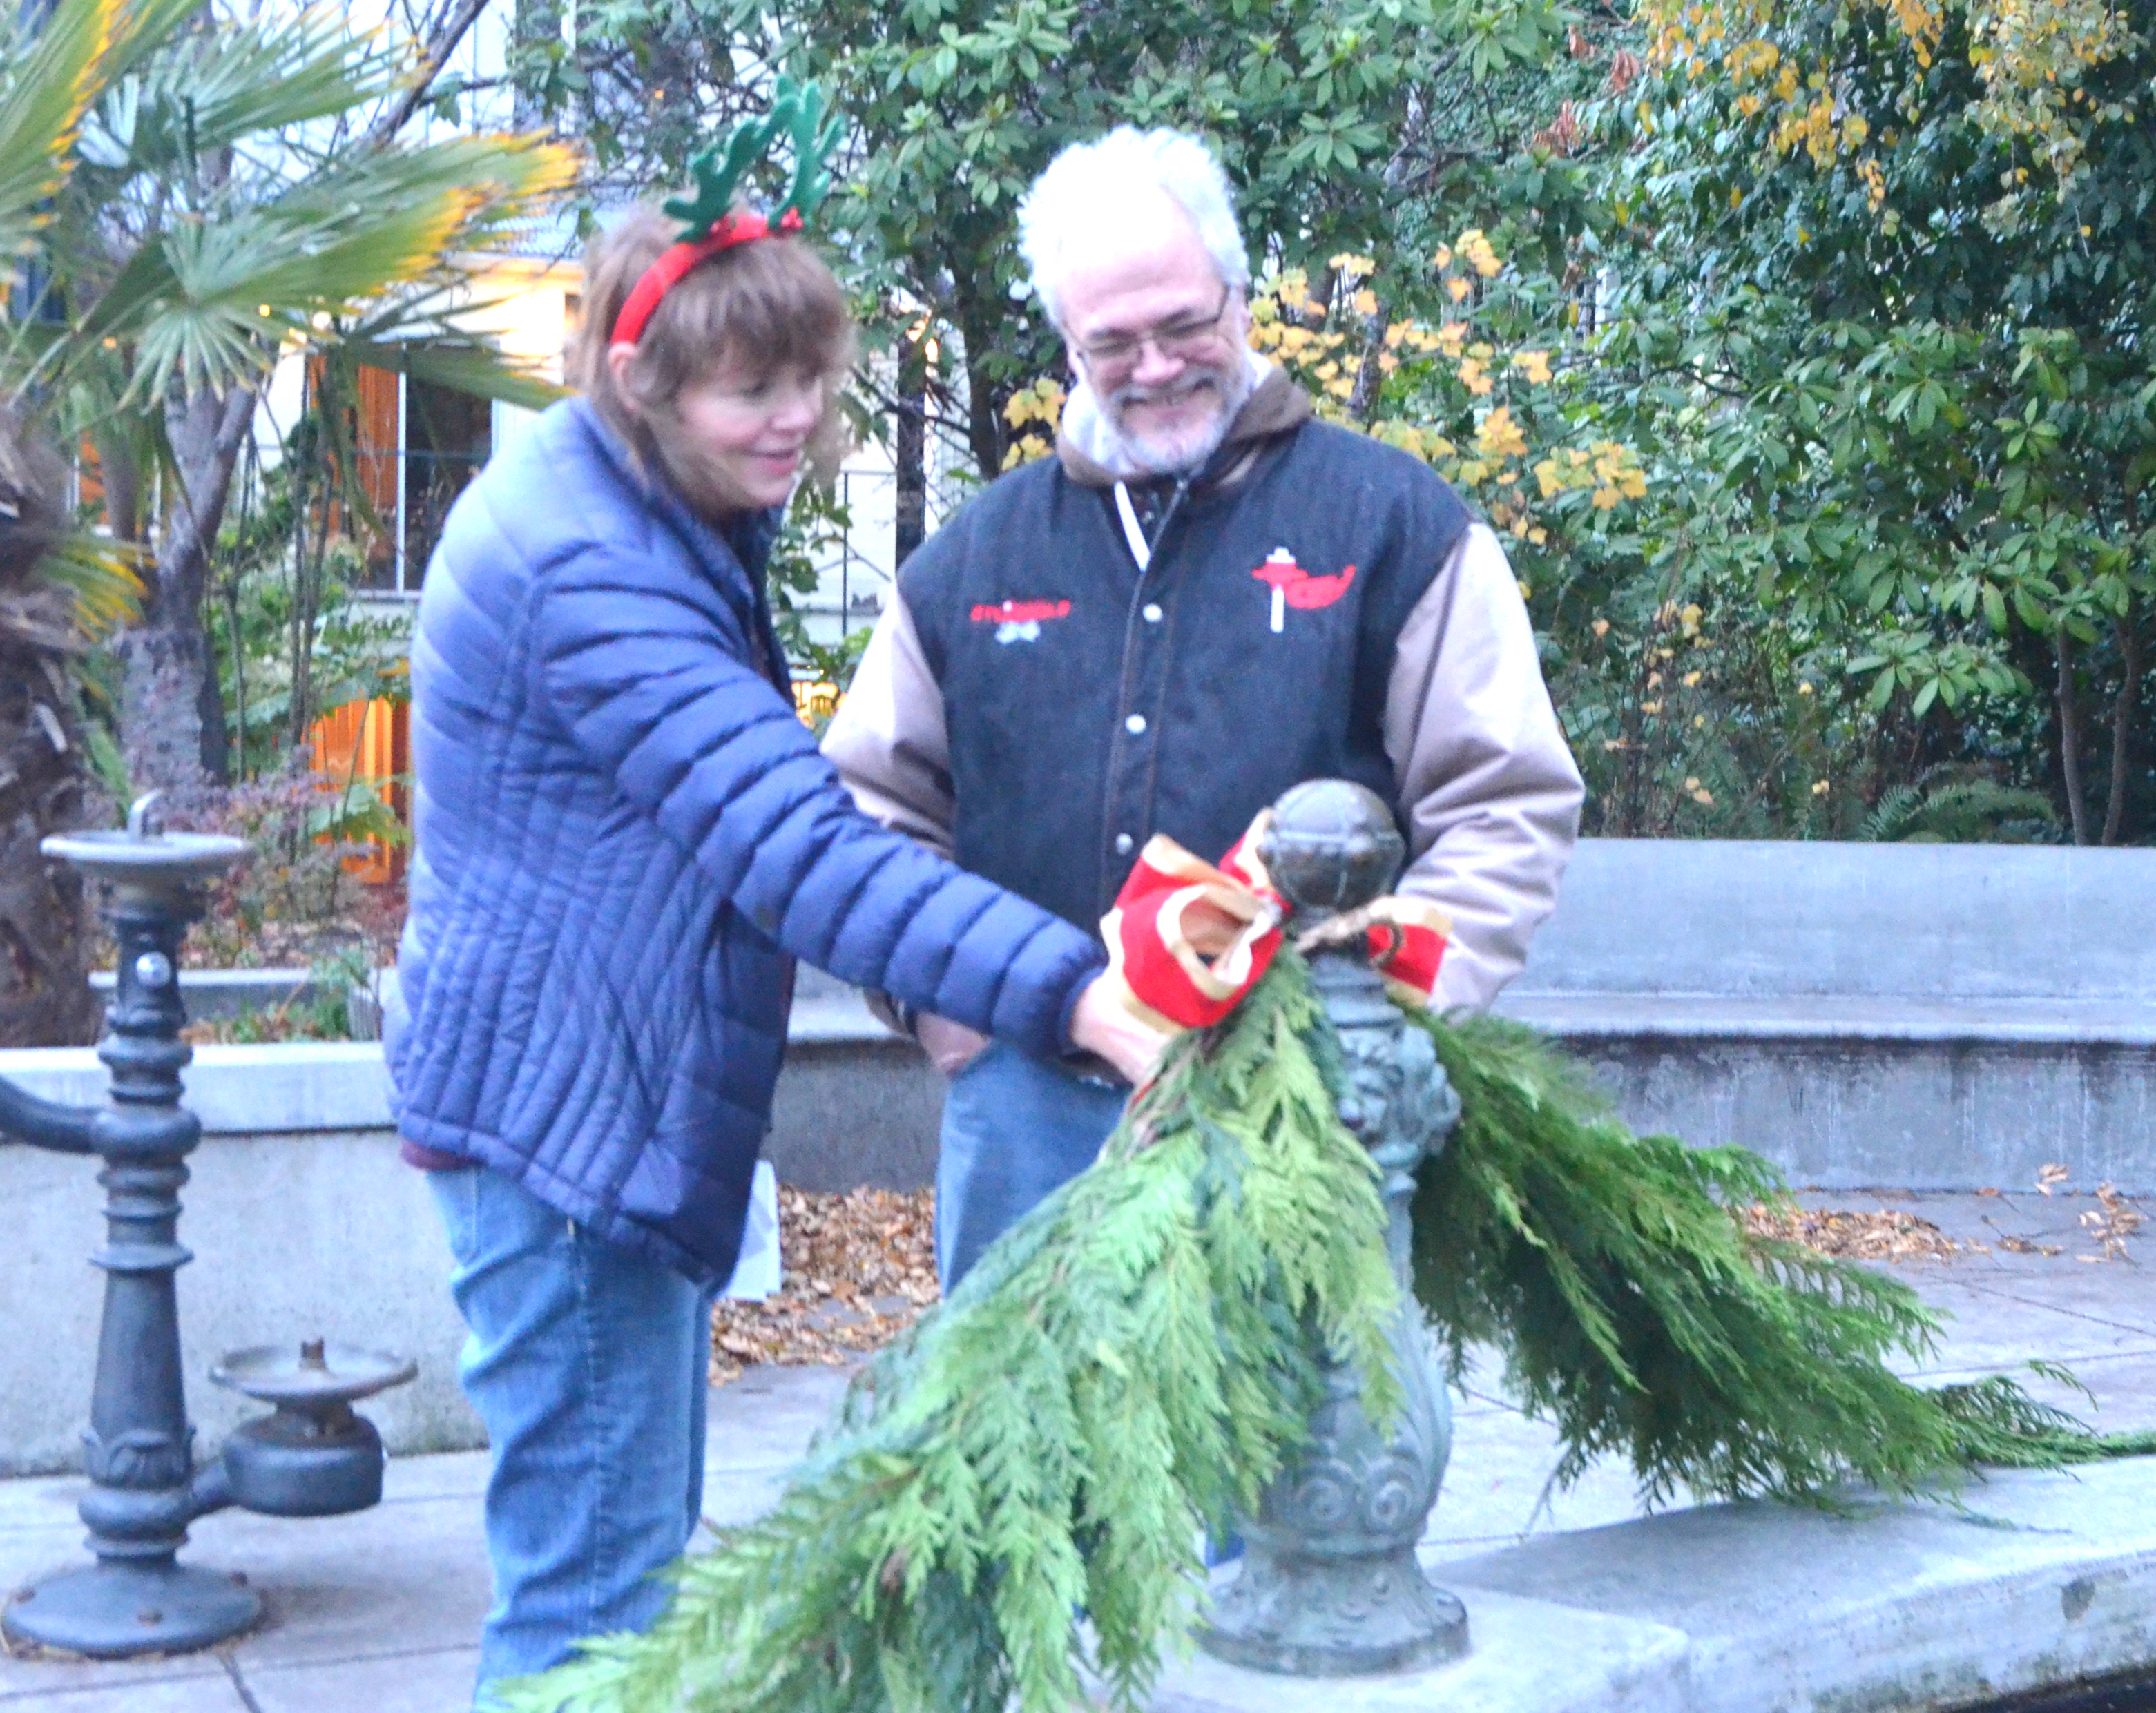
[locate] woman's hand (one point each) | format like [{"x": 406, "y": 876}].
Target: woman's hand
[{"x": 1100, "y": 1024}]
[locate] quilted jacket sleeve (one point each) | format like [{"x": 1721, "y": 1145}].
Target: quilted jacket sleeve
[{"x": 644, "y": 663}]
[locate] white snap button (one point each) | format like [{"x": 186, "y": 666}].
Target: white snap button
[
  {"x": 1135, "y": 725},
  {"x": 1152, "y": 610},
  {"x": 1123, "y": 843}
]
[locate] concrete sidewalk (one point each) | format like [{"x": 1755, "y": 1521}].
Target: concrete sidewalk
[{"x": 377, "y": 1612}]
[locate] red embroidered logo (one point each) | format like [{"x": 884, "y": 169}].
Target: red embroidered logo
[
  {"x": 1018, "y": 621},
  {"x": 1294, "y": 587}
]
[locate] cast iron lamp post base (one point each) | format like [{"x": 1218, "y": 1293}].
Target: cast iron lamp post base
[
  {"x": 1330, "y": 1585},
  {"x": 111, "y": 1610}
]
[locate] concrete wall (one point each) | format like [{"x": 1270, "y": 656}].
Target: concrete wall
[
  {"x": 305, "y": 1222},
  {"x": 1920, "y": 1016},
  {"x": 296, "y": 1233},
  {"x": 1939, "y": 1017}
]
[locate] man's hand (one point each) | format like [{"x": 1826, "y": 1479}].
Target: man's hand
[
  {"x": 1099, "y": 1024},
  {"x": 950, "y": 1047}
]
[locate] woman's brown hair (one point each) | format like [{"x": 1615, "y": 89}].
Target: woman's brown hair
[{"x": 769, "y": 305}]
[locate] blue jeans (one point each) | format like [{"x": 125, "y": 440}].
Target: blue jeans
[
  {"x": 588, "y": 1366},
  {"x": 1014, "y": 1129}
]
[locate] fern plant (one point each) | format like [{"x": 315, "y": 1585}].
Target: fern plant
[{"x": 1953, "y": 806}]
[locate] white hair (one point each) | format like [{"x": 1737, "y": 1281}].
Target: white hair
[{"x": 1088, "y": 184}]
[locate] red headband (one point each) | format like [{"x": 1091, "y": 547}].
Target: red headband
[{"x": 674, "y": 265}]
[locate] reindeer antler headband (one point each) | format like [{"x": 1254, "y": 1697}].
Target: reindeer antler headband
[{"x": 711, "y": 224}]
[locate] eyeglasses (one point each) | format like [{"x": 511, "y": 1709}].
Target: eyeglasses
[{"x": 1178, "y": 342}]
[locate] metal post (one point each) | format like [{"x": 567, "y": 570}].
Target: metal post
[
  {"x": 138, "y": 1450},
  {"x": 1330, "y": 1585}
]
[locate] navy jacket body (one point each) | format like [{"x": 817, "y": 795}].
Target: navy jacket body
[{"x": 623, "y": 835}]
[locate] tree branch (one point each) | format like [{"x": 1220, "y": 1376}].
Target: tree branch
[
  {"x": 433, "y": 58},
  {"x": 2122, "y": 726},
  {"x": 2069, "y": 733}
]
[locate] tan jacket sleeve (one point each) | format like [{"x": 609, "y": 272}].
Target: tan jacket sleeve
[
  {"x": 888, "y": 739},
  {"x": 1486, "y": 782}
]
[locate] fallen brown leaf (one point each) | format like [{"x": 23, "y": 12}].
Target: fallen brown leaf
[
  {"x": 858, "y": 1267},
  {"x": 1883, "y": 1236},
  {"x": 2110, "y": 1224}
]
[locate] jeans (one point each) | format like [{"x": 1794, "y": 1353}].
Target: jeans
[
  {"x": 588, "y": 1366},
  {"x": 1016, "y": 1128}
]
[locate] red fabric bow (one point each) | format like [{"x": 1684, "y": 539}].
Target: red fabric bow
[{"x": 1187, "y": 941}]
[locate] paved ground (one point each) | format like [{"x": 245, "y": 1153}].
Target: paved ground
[{"x": 376, "y": 1613}]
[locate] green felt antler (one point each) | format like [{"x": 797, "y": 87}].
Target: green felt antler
[
  {"x": 717, "y": 181},
  {"x": 797, "y": 109},
  {"x": 815, "y": 140}
]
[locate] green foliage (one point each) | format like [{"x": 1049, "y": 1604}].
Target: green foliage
[
  {"x": 1947, "y": 807},
  {"x": 1127, "y": 1366},
  {"x": 1641, "y": 1318},
  {"x": 1863, "y": 286},
  {"x": 1912, "y": 419},
  {"x": 1131, "y": 1363},
  {"x": 816, "y": 525},
  {"x": 320, "y": 1012},
  {"x": 285, "y": 593}
]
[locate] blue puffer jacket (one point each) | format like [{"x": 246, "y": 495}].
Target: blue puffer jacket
[{"x": 623, "y": 831}]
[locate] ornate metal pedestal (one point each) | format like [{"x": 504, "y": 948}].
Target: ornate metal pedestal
[
  {"x": 1329, "y": 1585},
  {"x": 314, "y": 1457}
]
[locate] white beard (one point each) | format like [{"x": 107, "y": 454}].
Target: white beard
[{"x": 1127, "y": 456}]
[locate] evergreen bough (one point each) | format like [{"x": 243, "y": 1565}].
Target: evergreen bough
[
  {"x": 1010, "y": 1499},
  {"x": 1634, "y": 1312}
]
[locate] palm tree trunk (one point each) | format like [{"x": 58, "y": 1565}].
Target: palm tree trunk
[
  {"x": 45, "y": 999},
  {"x": 172, "y": 718}
]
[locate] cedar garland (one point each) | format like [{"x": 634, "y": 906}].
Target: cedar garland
[
  {"x": 1634, "y": 1312},
  {"x": 1131, "y": 1363},
  {"x": 1124, "y": 1368}
]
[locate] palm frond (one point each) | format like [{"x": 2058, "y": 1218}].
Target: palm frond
[
  {"x": 101, "y": 575},
  {"x": 51, "y": 83},
  {"x": 466, "y": 367},
  {"x": 209, "y": 306},
  {"x": 225, "y": 86}
]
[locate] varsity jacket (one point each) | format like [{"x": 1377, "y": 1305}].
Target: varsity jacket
[{"x": 1073, "y": 663}]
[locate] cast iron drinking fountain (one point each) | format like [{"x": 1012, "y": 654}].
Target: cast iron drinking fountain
[
  {"x": 1329, "y": 1585},
  {"x": 313, "y": 1456}
]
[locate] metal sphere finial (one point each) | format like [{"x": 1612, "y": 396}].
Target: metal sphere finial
[{"x": 1333, "y": 846}]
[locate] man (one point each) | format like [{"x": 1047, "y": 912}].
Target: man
[{"x": 1206, "y": 598}]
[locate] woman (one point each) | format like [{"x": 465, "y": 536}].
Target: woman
[{"x": 624, "y": 836}]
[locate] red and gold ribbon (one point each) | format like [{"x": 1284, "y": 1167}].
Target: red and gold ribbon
[{"x": 1187, "y": 939}]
